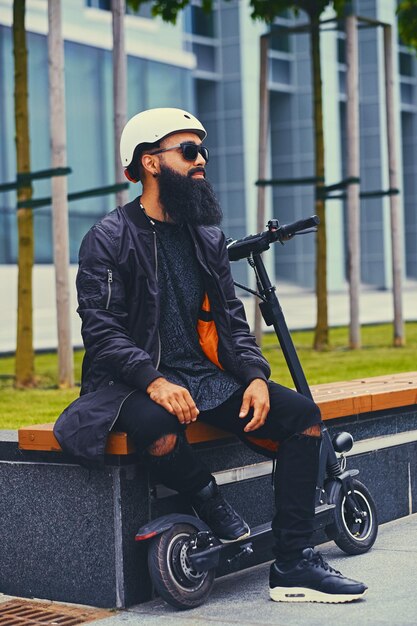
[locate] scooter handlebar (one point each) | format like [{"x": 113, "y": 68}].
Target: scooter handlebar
[
  {"x": 252, "y": 244},
  {"x": 287, "y": 231},
  {"x": 256, "y": 244}
]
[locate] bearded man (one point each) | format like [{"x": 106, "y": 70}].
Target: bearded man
[{"x": 167, "y": 343}]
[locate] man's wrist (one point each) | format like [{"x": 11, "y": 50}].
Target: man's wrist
[
  {"x": 253, "y": 372},
  {"x": 258, "y": 379},
  {"x": 154, "y": 384}
]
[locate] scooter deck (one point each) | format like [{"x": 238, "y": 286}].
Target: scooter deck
[
  {"x": 260, "y": 538},
  {"x": 226, "y": 553}
]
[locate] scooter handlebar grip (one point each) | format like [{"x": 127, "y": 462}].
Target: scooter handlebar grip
[{"x": 289, "y": 230}]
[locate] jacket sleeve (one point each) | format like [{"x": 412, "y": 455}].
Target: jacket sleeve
[
  {"x": 102, "y": 302},
  {"x": 252, "y": 363}
]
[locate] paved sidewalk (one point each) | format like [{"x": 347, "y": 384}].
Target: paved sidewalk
[{"x": 389, "y": 570}]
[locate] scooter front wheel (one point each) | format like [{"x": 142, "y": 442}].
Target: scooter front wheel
[
  {"x": 354, "y": 534},
  {"x": 171, "y": 572}
]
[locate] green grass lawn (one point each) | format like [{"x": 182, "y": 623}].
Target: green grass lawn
[
  {"x": 377, "y": 357},
  {"x": 35, "y": 406}
]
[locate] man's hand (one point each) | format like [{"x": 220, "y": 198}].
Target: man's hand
[
  {"x": 174, "y": 398},
  {"x": 256, "y": 396}
]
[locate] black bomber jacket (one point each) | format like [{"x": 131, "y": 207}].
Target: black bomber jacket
[{"x": 119, "y": 307}]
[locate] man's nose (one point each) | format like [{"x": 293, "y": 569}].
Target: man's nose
[{"x": 200, "y": 160}]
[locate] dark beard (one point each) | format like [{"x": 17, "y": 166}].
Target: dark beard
[{"x": 188, "y": 200}]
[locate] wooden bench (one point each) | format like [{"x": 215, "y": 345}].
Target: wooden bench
[{"x": 336, "y": 400}]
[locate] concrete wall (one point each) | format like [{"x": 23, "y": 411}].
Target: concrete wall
[{"x": 68, "y": 532}]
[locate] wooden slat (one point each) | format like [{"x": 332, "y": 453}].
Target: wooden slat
[
  {"x": 41, "y": 437},
  {"x": 38, "y": 437},
  {"x": 336, "y": 400},
  {"x": 365, "y": 395},
  {"x": 199, "y": 432}
]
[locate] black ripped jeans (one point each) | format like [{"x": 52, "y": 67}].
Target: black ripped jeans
[{"x": 297, "y": 459}]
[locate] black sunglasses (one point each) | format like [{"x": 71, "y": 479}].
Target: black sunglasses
[{"x": 189, "y": 151}]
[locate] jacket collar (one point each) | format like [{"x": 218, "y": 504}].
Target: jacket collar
[{"x": 136, "y": 215}]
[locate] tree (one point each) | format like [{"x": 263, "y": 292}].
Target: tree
[
  {"x": 24, "y": 369},
  {"x": 268, "y": 11},
  {"x": 407, "y": 28},
  {"x": 407, "y": 22},
  {"x": 59, "y": 193},
  {"x": 119, "y": 88},
  {"x": 352, "y": 170}
]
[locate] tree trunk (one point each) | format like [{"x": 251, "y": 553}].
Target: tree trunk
[
  {"x": 396, "y": 244},
  {"x": 59, "y": 193},
  {"x": 262, "y": 158},
  {"x": 353, "y": 201},
  {"x": 119, "y": 89},
  {"x": 24, "y": 368},
  {"x": 321, "y": 336}
]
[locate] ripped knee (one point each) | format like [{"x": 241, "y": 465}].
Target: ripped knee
[
  {"x": 163, "y": 446},
  {"x": 312, "y": 431}
]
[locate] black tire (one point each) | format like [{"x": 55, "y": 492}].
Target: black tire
[
  {"x": 171, "y": 573},
  {"x": 352, "y": 536}
]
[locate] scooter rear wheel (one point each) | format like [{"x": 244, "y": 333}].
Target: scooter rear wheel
[
  {"x": 171, "y": 572},
  {"x": 353, "y": 535}
]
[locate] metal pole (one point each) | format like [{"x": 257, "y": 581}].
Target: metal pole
[
  {"x": 59, "y": 193},
  {"x": 262, "y": 154},
  {"x": 353, "y": 160},
  {"x": 396, "y": 242},
  {"x": 119, "y": 89}
]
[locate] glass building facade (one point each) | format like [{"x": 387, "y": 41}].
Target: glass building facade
[
  {"x": 88, "y": 89},
  {"x": 210, "y": 65}
]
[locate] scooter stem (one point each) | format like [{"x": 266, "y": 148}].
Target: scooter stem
[{"x": 273, "y": 316}]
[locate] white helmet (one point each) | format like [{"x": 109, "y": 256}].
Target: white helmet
[{"x": 152, "y": 126}]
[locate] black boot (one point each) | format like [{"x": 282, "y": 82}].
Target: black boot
[{"x": 213, "y": 509}]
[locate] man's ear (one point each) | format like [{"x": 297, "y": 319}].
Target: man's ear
[{"x": 150, "y": 164}]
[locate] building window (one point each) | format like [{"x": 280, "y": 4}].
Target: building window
[
  {"x": 99, "y": 4},
  {"x": 206, "y": 57},
  {"x": 145, "y": 9},
  {"x": 408, "y": 77},
  {"x": 200, "y": 38},
  {"x": 280, "y": 71},
  {"x": 407, "y": 65},
  {"x": 341, "y": 48},
  {"x": 281, "y": 53},
  {"x": 198, "y": 22},
  {"x": 280, "y": 40}
]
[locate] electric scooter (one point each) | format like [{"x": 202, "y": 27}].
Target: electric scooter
[{"x": 183, "y": 553}]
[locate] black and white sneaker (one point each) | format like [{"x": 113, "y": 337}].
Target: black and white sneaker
[
  {"x": 223, "y": 520},
  {"x": 311, "y": 579}
]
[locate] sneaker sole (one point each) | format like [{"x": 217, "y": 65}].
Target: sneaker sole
[{"x": 303, "y": 594}]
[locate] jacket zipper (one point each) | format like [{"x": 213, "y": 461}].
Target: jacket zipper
[
  {"x": 109, "y": 283},
  {"x": 152, "y": 223},
  {"x": 156, "y": 276}
]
